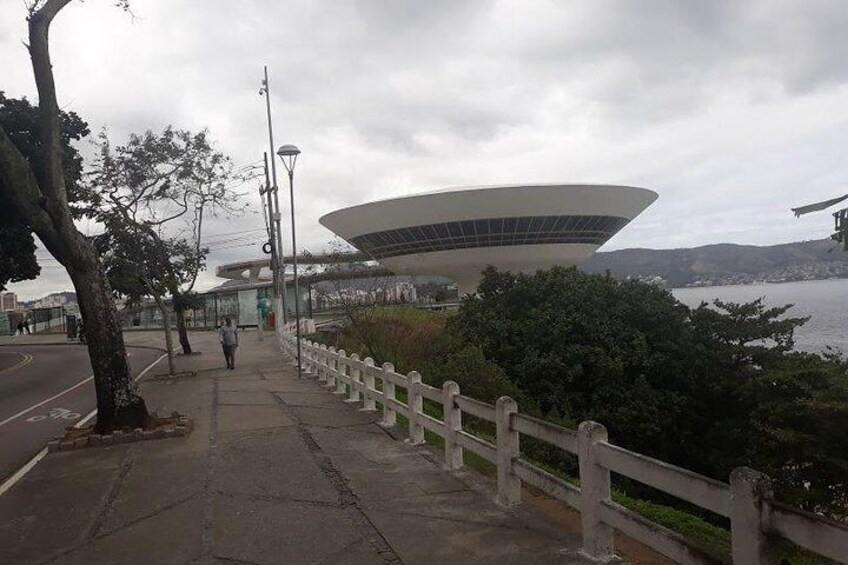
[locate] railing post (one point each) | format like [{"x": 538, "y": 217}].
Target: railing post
[
  {"x": 750, "y": 492},
  {"x": 305, "y": 354},
  {"x": 307, "y": 358},
  {"x": 416, "y": 408},
  {"x": 453, "y": 423},
  {"x": 312, "y": 359},
  {"x": 594, "y": 491},
  {"x": 292, "y": 350},
  {"x": 355, "y": 378},
  {"x": 322, "y": 359},
  {"x": 509, "y": 485},
  {"x": 342, "y": 372},
  {"x": 368, "y": 402},
  {"x": 331, "y": 367},
  {"x": 389, "y": 414}
]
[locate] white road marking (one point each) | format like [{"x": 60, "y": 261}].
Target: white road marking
[{"x": 10, "y": 482}]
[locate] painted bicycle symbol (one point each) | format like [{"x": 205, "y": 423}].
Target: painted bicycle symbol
[{"x": 56, "y": 414}]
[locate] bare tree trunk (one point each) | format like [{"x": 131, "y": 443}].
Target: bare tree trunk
[
  {"x": 182, "y": 330},
  {"x": 169, "y": 339}
]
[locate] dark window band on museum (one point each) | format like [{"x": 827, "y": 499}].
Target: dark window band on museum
[{"x": 492, "y": 232}]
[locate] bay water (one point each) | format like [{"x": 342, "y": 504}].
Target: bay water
[{"x": 825, "y": 302}]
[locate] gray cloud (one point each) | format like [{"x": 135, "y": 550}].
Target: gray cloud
[{"x": 732, "y": 111}]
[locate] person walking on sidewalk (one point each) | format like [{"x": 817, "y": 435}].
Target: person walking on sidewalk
[{"x": 229, "y": 341}]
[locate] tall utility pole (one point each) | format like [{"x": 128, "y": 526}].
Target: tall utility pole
[
  {"x": 272, "y": 238},
  {"x": 280, "y": 289}
]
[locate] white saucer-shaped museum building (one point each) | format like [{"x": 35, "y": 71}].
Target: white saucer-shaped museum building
[{"x": 458, "y": 232}]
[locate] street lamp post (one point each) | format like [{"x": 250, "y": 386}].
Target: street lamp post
[{"x": 288, "y": 155}]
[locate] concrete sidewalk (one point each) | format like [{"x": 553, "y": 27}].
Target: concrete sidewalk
[{"x": 277, "y": 470}]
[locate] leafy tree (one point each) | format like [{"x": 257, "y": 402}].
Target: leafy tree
[
  {"x": 37, "y": 194},
  {"x": 709, "y": 388},
  {"x": 163, "y": 264},
  {"x": 156, "y": 191},
  {"x": 476, "y": 376},
  {"x": 19, "y": 118}
]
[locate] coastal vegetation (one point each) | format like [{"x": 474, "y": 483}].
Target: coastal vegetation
[{"x": 708, "y": 388}]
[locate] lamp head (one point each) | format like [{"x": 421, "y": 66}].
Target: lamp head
[
  {"x": 288, "y": 151},
  {"x": 288, "y": 155}
]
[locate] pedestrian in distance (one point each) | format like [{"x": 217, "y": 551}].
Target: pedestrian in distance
[
  {"x": 26, "y": 325},
  {"x": 20, "y": 328},
  {"x": 229, "y": 341}
]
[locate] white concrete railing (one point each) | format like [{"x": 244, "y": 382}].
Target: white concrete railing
[{"x": 755, "y": 517}]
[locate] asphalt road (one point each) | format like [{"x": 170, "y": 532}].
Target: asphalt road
[{"x": 43, "y": 390}]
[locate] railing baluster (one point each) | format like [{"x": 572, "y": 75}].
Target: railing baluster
[
  {"x": 453, "y": 423},
  {"x": 389, "y": 414},
  {"x": 594, "y": 491},
  {"x": 341, "y": 372},
  {"x": 368, "y": 402},
  {"x": 322, "y": 363},
  {"x": 750, "y": 492},
  {"x": 416, "y": 407},
  {"x": 331, "y": 367},
  {"x": 509, "y": 485},
  {"x": 355, "y": 378}
]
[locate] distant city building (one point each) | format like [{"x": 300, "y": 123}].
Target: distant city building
[
  {"x": 50, "y": 301},
  {"x": 8, "y": 301}
]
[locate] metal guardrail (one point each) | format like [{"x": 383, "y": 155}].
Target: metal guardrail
[{"x": 755, "y": 517}]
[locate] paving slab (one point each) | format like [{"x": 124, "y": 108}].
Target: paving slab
[
  {"x": 310, "y": 398},
  {"x": 273, "y": 532},
  {"x": 45, "y": 515},
  {"x": 242, "y": 385},
  {"x": 154, "y": 482},
  {"x": 288, "y": 385},
  {"x": 246, "y": 398},
  {"x": 240, "y": 418},
  {"x": 449, "y": 541},
  {"x": 172, "y": 536},
  {"x": 324, "y": 416},
  {"x": 273, "y": 463}
]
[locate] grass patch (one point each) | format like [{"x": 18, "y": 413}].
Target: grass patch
[{"x": 711, "y": 539}]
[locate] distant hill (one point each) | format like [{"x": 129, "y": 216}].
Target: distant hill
[{"x": 725, "y": 263}]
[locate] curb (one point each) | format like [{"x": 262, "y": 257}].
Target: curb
[{"x": 181, "y": 428}]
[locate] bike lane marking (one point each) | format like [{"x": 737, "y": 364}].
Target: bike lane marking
[
  {"x": 43, "y": 402},
  {"x": 57, "y": 413}
]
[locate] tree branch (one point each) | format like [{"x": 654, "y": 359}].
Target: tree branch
[{"x": 53, "y": 179}]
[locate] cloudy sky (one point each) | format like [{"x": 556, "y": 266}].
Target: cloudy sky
[{"x": 733, "y": 111}]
